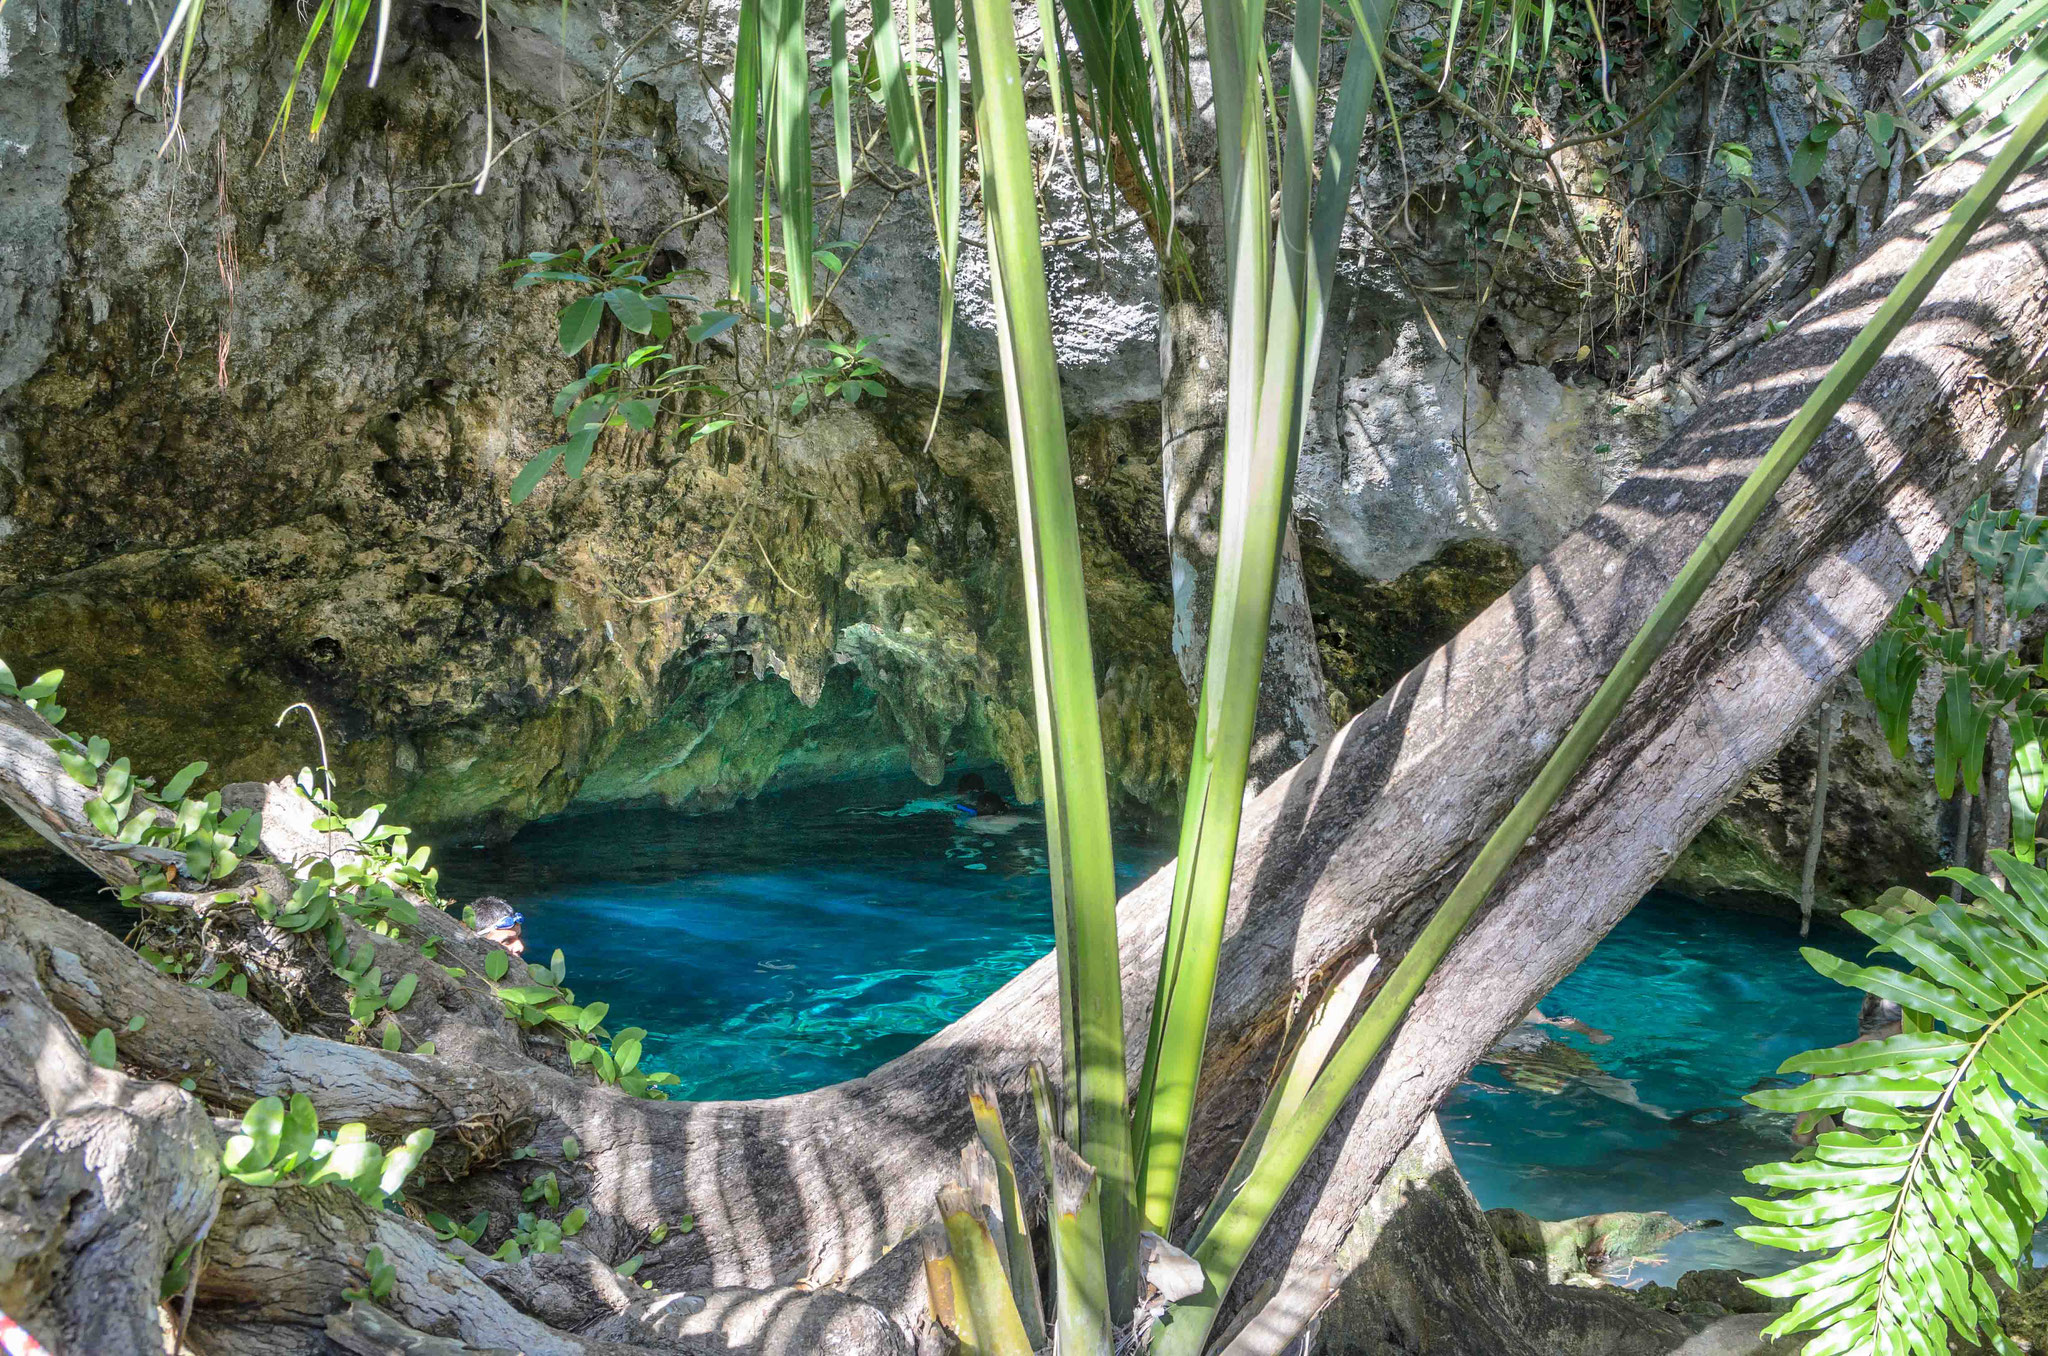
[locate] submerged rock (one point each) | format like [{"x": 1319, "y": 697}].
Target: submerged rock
[
  {"x": 1725, "y": 1288},
  {"x": 1739, "y": 1335},
  {"x": 1576, "y": 1251},
  {"x": 1430, "y": 1277}
]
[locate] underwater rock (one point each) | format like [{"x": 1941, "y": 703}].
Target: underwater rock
[
  {"x": 1429, "y": 1277},
  {"x": 1739, "y": 1335},
  {"x": 1571, "y": 1250},
  {"x": 1724, "y": 1286}
]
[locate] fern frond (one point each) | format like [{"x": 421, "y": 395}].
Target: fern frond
[{"x": 1937, "y": 1177}]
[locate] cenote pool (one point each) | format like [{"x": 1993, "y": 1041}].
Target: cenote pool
[
  {"x": 796, "y": 940},
  {"x": 807, "y": 937}
]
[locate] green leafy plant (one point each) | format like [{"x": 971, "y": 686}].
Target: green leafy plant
[
  {"x": 369, "y": 874},
  {"x": 281, "y": 1144},
  {"x": 663, "y": 384},
  {"x": 1937, "y": 1175},
  {"x": 378, "y": 1277},
  {"x": 447, "y": 1230},
  {"x": 849, "y": 375},
  {"x": 1982, "y": 680},
  {"x": 181, "y": 835}
]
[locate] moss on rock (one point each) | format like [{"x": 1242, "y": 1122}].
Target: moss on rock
[{"x": 1372, "y": 631}]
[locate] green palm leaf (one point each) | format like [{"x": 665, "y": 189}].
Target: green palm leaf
[
  {"x": 1918, "y": 1215},
  {"x": 789, "y": 146},
  {"x": 1062, "y": 663},
  {"x": 742, "y": 199}
]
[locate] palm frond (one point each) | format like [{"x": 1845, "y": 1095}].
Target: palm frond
[
  {"x": 897, "y": 103},
  {"x": 1280, "y": 288},
  {"x": 982, "y": 1289},
  {"x": 788, "y": 69},
  {"x": 842, "y": 97},
  {"x": 1937, "y": 1175},
  {"x": 1062, "y": 662},
  {"x": 939, "y": 161},
  {"x": 742, "y": 145},
  {"x": 1019, "y": 1257}
]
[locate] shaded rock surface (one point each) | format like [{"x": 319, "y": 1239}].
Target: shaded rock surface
[
  {"x": 261, "y": 405},
  {"x": 1432, "y": 1279},
  {"x": 258, "y": 443}
]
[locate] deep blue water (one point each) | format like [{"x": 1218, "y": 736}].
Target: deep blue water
[
  {"x": 1701, "y": 1004},
  {"x": 810, "y": 936}
]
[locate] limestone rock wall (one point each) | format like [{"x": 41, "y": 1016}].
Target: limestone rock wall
[
  {"x": 261, "y": 416},
  {"x": 262, "y": 400}
]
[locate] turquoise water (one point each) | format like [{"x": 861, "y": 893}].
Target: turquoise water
[
  {"x": 1701, "y": 1005},
  {"x": 797, "y": 940},
  {"x": 808, "y": 937}
]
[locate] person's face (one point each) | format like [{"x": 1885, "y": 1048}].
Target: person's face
[{"x": 509, "y": 938}]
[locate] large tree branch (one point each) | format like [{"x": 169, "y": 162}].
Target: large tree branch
[{"x": 236, "y": 1052}]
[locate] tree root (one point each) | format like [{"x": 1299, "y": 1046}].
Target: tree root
[{"x": 102, "y": 1180}]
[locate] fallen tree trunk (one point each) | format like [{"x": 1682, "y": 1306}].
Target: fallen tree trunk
[
  {"x": 1347, "y": 854},
  {"x": 235, "y": 1052},
  {"x": 1352, "y": 850}
]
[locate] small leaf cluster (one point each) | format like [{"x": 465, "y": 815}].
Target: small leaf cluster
[
  {"x": 380, "y": 1275},
  {"x": 632, "y": 390},
  {"x": 279, "y": 1144},
  {"x": 132, "y": 811},
  {"x": 542, "y": 999},
  {"x": 1981, "y": 683},
  {"x": 1935, "y": 1175},
  {"x": 382, "y": 859},
  {"x": 447, "y": 1230},
  {"x": 369, "y": 997},
  {"x": 847, "y": 375},
  {"x": 534, "y": 1232},
  {"x": 40, "y": 696},
  {"x": 623, "y": 394}
]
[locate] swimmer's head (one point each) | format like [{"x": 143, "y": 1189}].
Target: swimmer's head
[{"x": 1880, "y": 1016}]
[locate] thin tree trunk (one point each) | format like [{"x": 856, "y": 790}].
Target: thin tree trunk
[{"x": 1817, "y": 819}]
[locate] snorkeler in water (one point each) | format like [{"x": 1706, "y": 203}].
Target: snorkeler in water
[{"x": 977, "y": 799}]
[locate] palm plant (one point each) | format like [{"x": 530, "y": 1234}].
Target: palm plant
[{"x": 1113, "y": 1164}]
